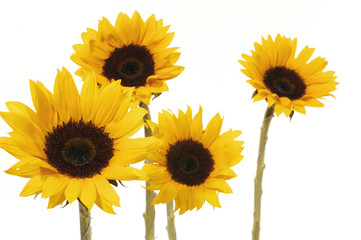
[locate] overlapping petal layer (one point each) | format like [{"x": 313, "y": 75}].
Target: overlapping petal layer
[
  {"x": 104, "y": 109},
  {"x": 187, "y": 181},
  {"x": 287, "y": 81},
  {"x": 109, "y": 42}
]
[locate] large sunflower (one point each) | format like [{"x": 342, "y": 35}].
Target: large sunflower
[
  {"x": 286, "y": 81},
  {"x": 73, "y": 146},
  {"x": 132, "y": 51},
  {"x": 192, "y": 165}
]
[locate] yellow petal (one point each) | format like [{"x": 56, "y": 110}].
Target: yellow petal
[
  {"x": 157, "y": 86},
  {"x": 10, "y": 146},
  {"x": 212, "y": 197},
  {"x": 157, "y": 157},
  {"x": 154, "y": 170},
  {"x": 225, "y": 173},
  {"x": 197, "y": 196},
  {"x": 299, "y": 108},
  {"x": 312, "y": 102},
  {"x": 89, "y": 193},
  {"x": 73, "y": 189},
  {"x": 147, "y": 28},
  {"x": 219, "y": 185},
  {"x": 212, "y": 131},
  {"x": 18, "y": 123},
  {"x": 28, "y": 170},
  {"x": 125, "y": 102},
  {"x": 136, "y": 25},
  {"x": 106, "y": 191},
  {"x": 43, "y": 105},
  {"x": 33, "y": 186},
  {"x": 278, "y": 109},
  {"x": 122, "y": 25},
  {"x": 56, "y": 200},
  {"x": 123, "y": 173},
  {"x": 26, "y": 144},
  {"x": 167, "y": 194},
  {"x": 127, "y": 126},
  {"x": 66, "y": 95},
  {"x": 54, "y": 185},
  {"x": 183, "y": 126},
  {"x": 89, "y": 93},
  {"x": 226, "y": 138},
  {"x": 184, "y": 200},
  {"x": 107, "y": 104},
  {"x": 22, "y": 109},
  {"x": 109, "y": 33},
  {"x": 304, "y": 56},
  {"x": 167, "y": 121},
  {"x": 104, "y": 205},
  {"x": 131, "y": 151},
  {"x": 144, "y": 94},
  {"x": 315, "y": 66}
]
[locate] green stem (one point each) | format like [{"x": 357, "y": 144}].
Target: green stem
[
  {"x": 149, "y": 214},
  {"x": 259, "y": 174},
  {"x": 85, "y": 218},
  {"x": 171, "y": 224}
]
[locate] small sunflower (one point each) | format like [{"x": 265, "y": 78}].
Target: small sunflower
[
  {"x": 192, "y": 165},
  {"x": 286, "y": 81},
  {"x": 133, "y": 51},
  {"x": 74, "y": 145}
]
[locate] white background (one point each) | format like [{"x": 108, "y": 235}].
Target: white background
[{"x": 312, "y": 179}]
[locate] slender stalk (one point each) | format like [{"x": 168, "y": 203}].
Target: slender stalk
[
  {"x": 149, "y": 214},
  {"x": 259, "y": 174},
  {"x": 85, "y": 228},
  {"x": 171, "y": 224}
]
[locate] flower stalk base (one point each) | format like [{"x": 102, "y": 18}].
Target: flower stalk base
[
  {"x": 259, "y": 174},
  {"x": 149, "y": 215},
  {"x": 85, "y": 218},
  {"x": 170, "y": 220}
]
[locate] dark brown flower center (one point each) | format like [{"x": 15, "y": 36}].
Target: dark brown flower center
[
  {"x": 78, "y": 149},
  {"x": 285, "y": 83},
  {"x": 189, "y": 162},
  {"x": 131, "y": 64}
]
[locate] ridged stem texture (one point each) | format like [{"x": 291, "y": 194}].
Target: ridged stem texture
[
  {"x": 170, "y": 222},
  {"x": 149, "y": 215},
  {"x": 259, "y": 174},
  {"x": 85, "y": 218}
]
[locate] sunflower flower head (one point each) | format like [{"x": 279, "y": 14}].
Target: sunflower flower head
[
  {"x": 73, "y": 145},
  {"x": 133, "y": 52},
  {"x": 287, "y": 81},
  {"x": 192, "y": 165}
]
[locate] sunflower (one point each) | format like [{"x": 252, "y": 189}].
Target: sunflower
[
  {"x": 192, "y": 165},
  {"x": 288, "y": 82},
  {"x": 74, "y": 145},
  {"x": 133, "y": 51}
]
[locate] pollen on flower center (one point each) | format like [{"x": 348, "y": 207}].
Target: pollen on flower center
[
  {"x": 131, "y": 64},
  {"x": 189, "y": 162},
  {"x": 78, "y": 149},
  {"x": 285, "y": 82}
]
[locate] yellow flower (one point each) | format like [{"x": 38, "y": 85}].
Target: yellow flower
[
  {"x": 73, "y": 145},
  {"x": 286, "y": 81},
  {"x": 192, "y": 165},
  {"x": 133, "y": 51}
]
